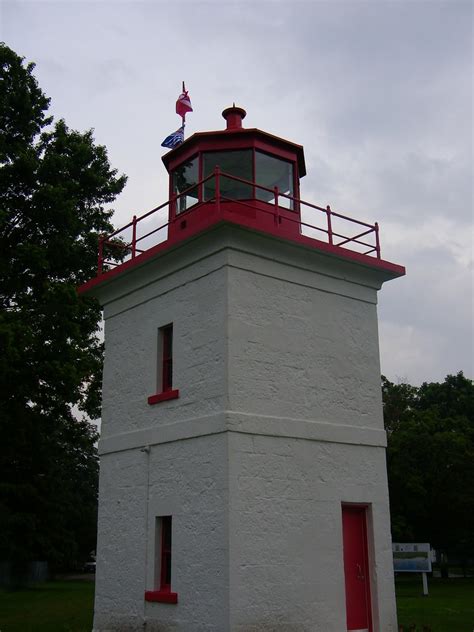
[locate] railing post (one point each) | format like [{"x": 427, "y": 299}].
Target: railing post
[
  {"x": 277, "y": 211},
  {"x": 134, "y": 236},
  {"x": 377, "y": 240},
  {"x": 328, "y": 214},
  {"x": 100, "y": 261},
  {"x": 217, "y": 175},
  {"x": 172, "y": 211}
]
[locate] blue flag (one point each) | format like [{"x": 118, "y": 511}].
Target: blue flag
[{"x": 174, "y": 139}]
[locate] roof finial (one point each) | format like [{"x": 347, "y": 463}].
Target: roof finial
[{"x": 234, "y": 116}]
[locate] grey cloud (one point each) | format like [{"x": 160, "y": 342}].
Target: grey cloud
[{"x": 379, "y": 94}]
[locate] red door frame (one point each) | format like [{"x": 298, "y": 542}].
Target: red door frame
[{"x": 356, "y": 567}]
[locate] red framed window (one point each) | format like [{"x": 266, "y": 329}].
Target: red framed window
[
  {"x": 165, "y": 553},
  {"x": 165, "y": 367},
  {"x": 163, "y": 557},
  {"x": 167, "y": 358}
]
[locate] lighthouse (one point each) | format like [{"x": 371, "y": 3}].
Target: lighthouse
[{"x": 242, "y": 458}]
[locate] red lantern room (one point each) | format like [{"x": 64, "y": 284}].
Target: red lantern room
[
  {"x": 235, "y": 171},
  {"x": 241, "y": 176}
]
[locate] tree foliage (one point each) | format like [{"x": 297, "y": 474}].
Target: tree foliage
[
  {"x": 430, "y": 459},
  {"x": 54, "y": 186}
]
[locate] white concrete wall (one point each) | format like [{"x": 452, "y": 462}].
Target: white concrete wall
[
  {"x": 189, "y": 480},
  {"x": 120, "y": 545},
  {"x": 304, "y": 382},
  {"x": 196, "y": 306},
  {"x": 285, "y": 525},
  {"x": 299, "y": 348},
  {"x": 278, "y": 422},
  {"x": 154, "y": 460}
]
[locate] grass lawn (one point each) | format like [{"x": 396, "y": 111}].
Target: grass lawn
[
  {"x": 59, "y": 606},
  {"x": 66, "y": 606},
  {"x": 449, "y": 607}
]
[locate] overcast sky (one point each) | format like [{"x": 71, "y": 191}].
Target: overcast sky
[{"x": 379, "y": 94}]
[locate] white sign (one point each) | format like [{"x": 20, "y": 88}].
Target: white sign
[{"x": 410, "y": 557}]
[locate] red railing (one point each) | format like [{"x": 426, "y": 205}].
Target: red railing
[{"x": 125, "y": 243}]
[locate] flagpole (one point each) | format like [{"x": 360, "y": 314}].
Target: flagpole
[
  {"x": 183, "y": 105},
  {"x": 183, "y": 117}
]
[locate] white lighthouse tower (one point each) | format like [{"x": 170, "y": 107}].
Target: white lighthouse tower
[{"x": 243, "y": 481}]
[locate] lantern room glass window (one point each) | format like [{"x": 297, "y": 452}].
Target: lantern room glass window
[
  {"x": 186, "y": 178},
  {"x": 272, "y": 172},
  {"x": 235, "y": 163}
]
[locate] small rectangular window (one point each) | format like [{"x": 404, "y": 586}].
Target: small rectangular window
[
  {"x": 163, "y": 552},
  {"x": 166, "y": 334},
  {"x": 164, "y": 377}
]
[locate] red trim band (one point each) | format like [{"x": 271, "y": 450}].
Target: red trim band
[
  {"x": 163, "y": 397},
  {"x": 161, "y": 596}
]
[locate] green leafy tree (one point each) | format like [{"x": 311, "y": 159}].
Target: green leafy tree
[
  {"x": 54, "y": 186},
  {"x": 430, "y": 459},
  {"x": 398, "y": 402}
]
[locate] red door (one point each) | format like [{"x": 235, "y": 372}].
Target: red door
[{"x": 356, "y": 568}]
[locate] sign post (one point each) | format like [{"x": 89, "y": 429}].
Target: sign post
[
  {"x": 425, "y": 584},
  {"x": 410, "y": 557}
]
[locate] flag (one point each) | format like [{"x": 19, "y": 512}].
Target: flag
[
  {"x": 174, "y": 139},
  {"x": 183, "y": 104}
]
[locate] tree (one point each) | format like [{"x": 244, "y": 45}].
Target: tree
[
  {"x": 430, "y": 460},
  {"x": 54, "y": 185},
  {"x": 398, "y": 402}
]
